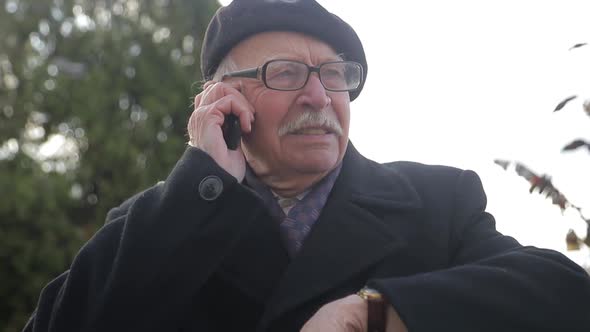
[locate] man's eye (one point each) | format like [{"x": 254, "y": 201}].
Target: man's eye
[
  {"x": 333, "y": 76},
  {"x": 286, "y": 73},
  {"x": 283, "y": 73},
  {"x": 333, "y": 73}
]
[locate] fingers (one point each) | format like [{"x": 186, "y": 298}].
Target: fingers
[
  {"x": 217, "y": 111},
  {"x": 233, "y": 104},
  {"x": 208, "y": 84},
  {"x": 215, "y": 91},
  {"x": 346, "y": 314},
  {"x": 227, "y": 98},
  {"x": 204, "y": 127},
  {"x": 216, "y": 101}
]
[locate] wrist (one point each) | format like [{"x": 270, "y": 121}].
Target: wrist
[
  {"x": 376, "y": 309},
  {"x": 381, "y": 315}
]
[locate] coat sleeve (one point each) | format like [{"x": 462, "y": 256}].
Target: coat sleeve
[
  {"x": 141, "y": 270},
  {"x": 493, "y": 283}
]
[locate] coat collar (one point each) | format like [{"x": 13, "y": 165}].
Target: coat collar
[{"x": 350, "y": 235}]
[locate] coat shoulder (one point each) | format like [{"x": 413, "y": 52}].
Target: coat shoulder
[
  {"x": 415, "y": 169},
  {"x": 122, "y": 209},
  {"x": 440, "y": 182},
  {"x": 423, "y": 176}
]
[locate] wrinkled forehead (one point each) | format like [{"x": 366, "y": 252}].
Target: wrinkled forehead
[{"x": 265, "y": 46}]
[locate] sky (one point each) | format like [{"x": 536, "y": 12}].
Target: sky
[{"x": 461, "y": 83}]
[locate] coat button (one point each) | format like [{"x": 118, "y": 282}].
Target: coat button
[{"x": 210, "y": 187}]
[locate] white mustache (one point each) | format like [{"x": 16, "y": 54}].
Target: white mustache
[{"x": 311, "y": 120}]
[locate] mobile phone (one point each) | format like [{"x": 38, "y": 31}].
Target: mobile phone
[{"x": 232, "y": 133}]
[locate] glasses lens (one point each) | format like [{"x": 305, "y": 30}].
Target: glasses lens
[
  {"x": 285, "y": 75},
  {"x": 341, "y": 76}
]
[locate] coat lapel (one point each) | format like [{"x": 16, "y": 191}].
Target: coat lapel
[
  {"x": 258, "y": 261},
  {"x": 350, "y": 234}
]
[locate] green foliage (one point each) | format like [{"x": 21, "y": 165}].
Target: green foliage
[{"x": 94, "y": 100}]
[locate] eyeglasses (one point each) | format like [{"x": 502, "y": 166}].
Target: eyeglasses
[{"x": 288, "y": 75}]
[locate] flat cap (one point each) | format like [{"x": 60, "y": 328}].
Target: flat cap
[{"x": 243, "y": 18}]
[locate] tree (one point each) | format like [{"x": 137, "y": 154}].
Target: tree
[
  {"x": 94, "y": 100},
  {"x": 543, "y": 183}
]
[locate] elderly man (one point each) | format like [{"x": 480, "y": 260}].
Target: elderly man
[{"x": 292, "y": 229}]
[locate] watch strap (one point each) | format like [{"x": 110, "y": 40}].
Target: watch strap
[{"x": 376, "y": 309}]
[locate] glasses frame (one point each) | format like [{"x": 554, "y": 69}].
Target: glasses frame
[{"x": 260, "y": 74}]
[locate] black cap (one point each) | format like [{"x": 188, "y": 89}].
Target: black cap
[{"x": 244, "y": 18}]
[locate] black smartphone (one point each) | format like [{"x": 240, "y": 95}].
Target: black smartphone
[{"x": 232, "y": 133}]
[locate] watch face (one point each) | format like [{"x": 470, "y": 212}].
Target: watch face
[{"x": 370, "y": 294}]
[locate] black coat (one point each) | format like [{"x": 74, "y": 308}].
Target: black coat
[{"x": 168, "y": 260}]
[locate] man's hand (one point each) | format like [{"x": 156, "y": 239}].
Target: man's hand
[
  {"x": 204, "y": 126},
  {"x": 349, "y": 315},
  {"x": 345, "y": 315}
]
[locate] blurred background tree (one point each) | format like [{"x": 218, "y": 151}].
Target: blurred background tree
[
  {"x": 543, "y": 184},
  {"x": 94, "y": 99}
]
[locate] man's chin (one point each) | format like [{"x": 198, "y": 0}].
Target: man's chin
[{"x": 315, "y": 163}]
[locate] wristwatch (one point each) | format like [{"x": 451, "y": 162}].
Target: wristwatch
[{"x": 376, "y": 309}]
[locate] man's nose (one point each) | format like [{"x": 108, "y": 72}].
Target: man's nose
[{"x": 313, "y": 94}]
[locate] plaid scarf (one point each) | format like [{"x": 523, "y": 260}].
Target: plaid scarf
[{"x": 296, "y": 225}]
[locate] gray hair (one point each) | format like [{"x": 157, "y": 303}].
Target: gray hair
[{"x": 226, "y": 65}]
